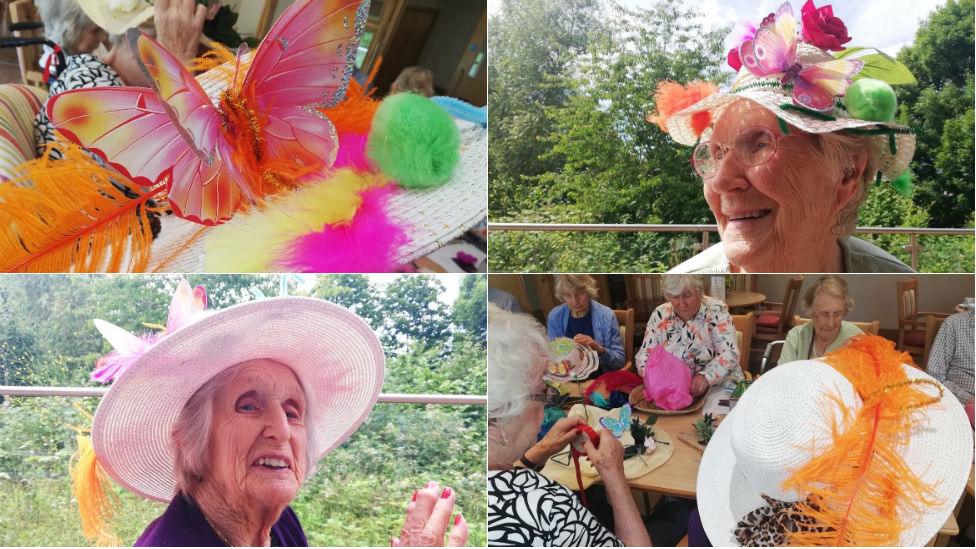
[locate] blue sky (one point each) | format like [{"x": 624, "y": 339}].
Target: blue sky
[{"x": 884, "y": 24}]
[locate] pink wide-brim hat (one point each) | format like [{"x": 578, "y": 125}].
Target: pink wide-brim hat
[
  {"x": 334, "y": 354},
  {"x": 894, "y": 150}
]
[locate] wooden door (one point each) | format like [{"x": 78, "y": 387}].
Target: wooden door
[
  {"x": 405, "y": 46},
  {"x": 470, "y": 81}
]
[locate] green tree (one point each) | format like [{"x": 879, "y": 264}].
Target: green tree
[
  {"x": 469, "y": 309},
  {"x": 940, "y": 109},
  {"x": 412, "y": 313}
]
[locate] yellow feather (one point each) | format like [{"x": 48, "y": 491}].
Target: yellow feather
[
  {"x": 254, "y": 241},
  {"x": 66, "y": 216},
  {"x": 96, "y": 500},
  {"x": 860, "y": 488}
]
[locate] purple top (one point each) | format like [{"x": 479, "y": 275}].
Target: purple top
[{"x": 183, "y": 525}]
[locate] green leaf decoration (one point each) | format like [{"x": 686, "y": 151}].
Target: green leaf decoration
[{"x": 879, "y": 65}]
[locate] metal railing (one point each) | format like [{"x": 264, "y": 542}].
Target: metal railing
[
  {"x": 393, "y": 398},
  {"x": 913, "y": 232}
]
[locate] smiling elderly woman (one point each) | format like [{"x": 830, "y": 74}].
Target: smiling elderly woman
[
  {"x": 788, "y": 155},
  {"x": 226, "y": 414}
]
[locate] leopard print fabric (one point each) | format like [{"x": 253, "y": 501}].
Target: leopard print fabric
[{"x": 771, "y": 524}]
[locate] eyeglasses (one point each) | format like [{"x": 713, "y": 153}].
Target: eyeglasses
[
  {"x": 829, "y": 315},
  {"x": 551, "y": 396},
  {"x": 752, "y": 147}
]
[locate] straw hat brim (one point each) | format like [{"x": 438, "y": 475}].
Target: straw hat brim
[
  {"x": 940, "y": 451},
  {"x": 335, "y": 356},
  {"x": 890, "y": 164},
  {"x": 112, "y": 21}
]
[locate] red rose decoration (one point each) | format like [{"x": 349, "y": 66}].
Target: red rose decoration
[
  {"x": 733, "y": 59},
  {"x": 822, "y": 29}
]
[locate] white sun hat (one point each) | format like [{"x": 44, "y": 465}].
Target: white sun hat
[
  {"x": 334, "y": 354},
  {"x": 117, "y": 16},
  {"x": 783, "y": 421}
]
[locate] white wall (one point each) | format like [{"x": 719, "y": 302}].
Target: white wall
[{"x": 875, "y": 294}]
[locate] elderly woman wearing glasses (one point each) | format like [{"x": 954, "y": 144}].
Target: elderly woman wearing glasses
[
  {"x": 586, "y": 321},
  {"x": 526, "y": 509},
  {"x": 788, "y": 155},
  {"x": 827, "y": 302}
]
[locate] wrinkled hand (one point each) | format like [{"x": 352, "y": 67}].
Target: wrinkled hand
[
  {"x": 428, "y": 514},
  {"x": 179, "y": 24},
  {"x": 560, "y": 434},
  {"x": 699, "y": 385},
  {"x": 608, "y": 459},
  {"x": 582, "y": 339},
  {"x": 213, "y": 9}
]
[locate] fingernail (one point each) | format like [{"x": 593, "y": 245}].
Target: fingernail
[
  {"x": 446, "y": 493},
  {"x": 414, "y": 498},
  {"x": 457, "y": 519},
  {"x": 430, "y": 484}
]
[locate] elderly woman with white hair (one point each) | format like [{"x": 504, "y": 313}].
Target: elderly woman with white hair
[
  {"x": 524, "y": 507},
  {"x": 225, "y": 415},
  {"x": 827, "y": 303},
  {"x": 695, "y": 328},
  {"x": 586, "y": 321},
  {"x": 82, "y": 27},
  {"x": 788, "y": 155}
]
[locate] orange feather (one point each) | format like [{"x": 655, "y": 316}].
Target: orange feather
[
  {"x": 66, "y": 216},
  {"x": 93, "y": 491},
  {"x": 862, "y": 490},
  {"x": 672, "y": 97},
  {"x": 354, "y": 115}
]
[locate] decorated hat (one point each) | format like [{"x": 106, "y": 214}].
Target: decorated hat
[
  {"x": 786, "y": 67},
  {"x": 857, "y": 449},
  {"x": 117, "y": 16},
  {"x": 333, "y": 353}
]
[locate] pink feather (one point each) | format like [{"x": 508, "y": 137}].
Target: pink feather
[
  {"x": 367, "y": 244},
  {"x": 352, "y": 152},
  {"x": 116, "y": 363}
]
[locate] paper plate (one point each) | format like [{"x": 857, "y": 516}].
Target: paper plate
[{"x": 640, "y": 402}]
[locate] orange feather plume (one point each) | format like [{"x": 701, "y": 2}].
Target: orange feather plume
[
  {"x": 860, "y": 489},
  {"x": 672, "y": 97},
  {"x": 354, "y": 115},
  {"x": 93, "y": 491},
  {"x": 66, "y": 216}
]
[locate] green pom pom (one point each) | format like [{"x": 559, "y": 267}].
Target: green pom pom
[
  {"x": 871, "y": 99},
  {"x": 414, "y": 141},
  {"x": 903, "y": 183}
]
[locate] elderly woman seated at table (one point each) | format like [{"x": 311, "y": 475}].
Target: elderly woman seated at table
[
  {"x": 225, "y": 415},
  {"x": 586, "y": 321},
  {"x": 524, "y": 507},
  {"x": 785, "y": 167},
  {"x": 827, "y": 302},
  {"x": 695, "y": 328}
]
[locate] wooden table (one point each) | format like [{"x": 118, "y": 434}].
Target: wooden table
[{"x": 740, "y": 299}]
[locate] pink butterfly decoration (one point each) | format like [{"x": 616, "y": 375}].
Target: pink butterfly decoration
[
  {"x": 773, "y": 52},
  {"x": 187, "y": 306},
  {"x": 211, "y": 156}
]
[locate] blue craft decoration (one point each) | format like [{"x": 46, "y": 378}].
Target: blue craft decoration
[
  {"x": 463, "y": 110},
  {"x": 618, "y": 426}
]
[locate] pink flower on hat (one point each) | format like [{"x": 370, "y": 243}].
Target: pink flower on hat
[
  {"x": 742, "y": 32},
  {"x": 187, "y": 306},
  {"x": 822, "y": 29}
]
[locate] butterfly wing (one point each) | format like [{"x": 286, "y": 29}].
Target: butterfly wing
[
  {"x": 773, "y": 50},
  {"x": 817, "y": 86},
  {"x": 306, "y": 61},
  {"x": 625, "y": 415},
  {"x": 130, "y": 129}
]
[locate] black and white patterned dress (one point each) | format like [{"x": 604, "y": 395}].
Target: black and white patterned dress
[
  {"x": 81, "y": 71},
  {"x": 527, "y": 509}
]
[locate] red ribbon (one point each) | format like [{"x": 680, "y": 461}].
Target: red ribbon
[
  {"x": 50, "y": 59},
  {"x": 595, "y": 439}
]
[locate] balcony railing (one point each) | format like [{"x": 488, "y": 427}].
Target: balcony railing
[
  {"x": 913, "y": 232},
  {"x": 395, "y": 398}
]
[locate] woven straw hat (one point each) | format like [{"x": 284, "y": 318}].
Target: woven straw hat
[
  {"x": 333, "y": 353},
  {"x": 894, "y": 153},
  {"x": 114, "y": 17},
  {"x": 781, "y": 419}
]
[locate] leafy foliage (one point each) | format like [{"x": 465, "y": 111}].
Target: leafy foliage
[{"x": 361, "y": 489}]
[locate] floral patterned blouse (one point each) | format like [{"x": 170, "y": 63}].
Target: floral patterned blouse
[{"x": 706, "y": 343}]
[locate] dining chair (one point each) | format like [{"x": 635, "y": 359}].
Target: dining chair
[
  {"x": 776, "y": 318},
  {"x": 28, "y": 57},
  {"x": 625, "y": 318},
  {"x": 912, "y": 331},
  {"x": 644, "y": 293},
  {"x": 872, "y": 327},
  {"x": 745, "y": 326},
  {"x": 932, "y": 325}
]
